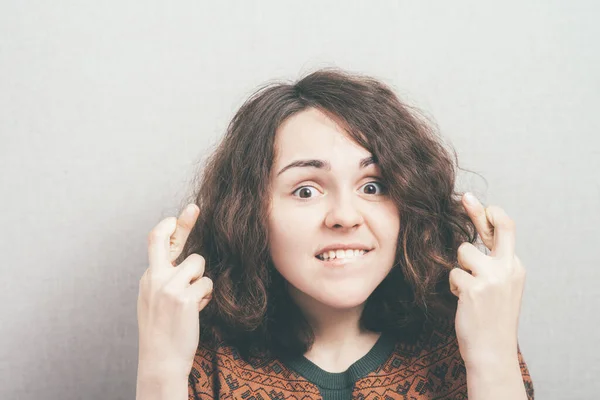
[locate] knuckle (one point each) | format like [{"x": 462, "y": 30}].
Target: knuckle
[
  {"x": 153, "y": 236},
  {"x": 479, "y": 289},
  {"x": 203, "y": 286},
  {"x": 173, "y": 294},
  {"x": 462, "y": 251},
  {"x": 518, "y": 261},
  {"x": 453, "y": 273},
  {"x": 454, "y": 276},
  {"x": 198, "y": 261},
  {"x": 480, "y": 213},
  {"x": 522, "y": 270},
  {"x": 209, "y": 284},
  {"x": 151, "y": 279},
  {"x": 489, "y": 211},
  {"x": 194, "y": 268},
  {"x": 502, "y": 217},
  {"x": 156, "y": 232},
  {"x": 145, "y": 278},
  {"x": 154, "y": 276},
  {"x": 188, "y": 299},
  {"x": 145, "y": 275},
  {"x": 186, "y": 225},
  {"x": 519, "y": 273},
  {"x": 494, "y": 281},
  {"x": 196, "y": 258},
  {"x": 509, "y": 223},
  {"x": 475, "y": 291},
  {"x": 494, "y": 209}
]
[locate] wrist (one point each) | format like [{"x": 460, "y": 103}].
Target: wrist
[
  {"x": 485, "y": 358},
  {"x": 150, "y": 386},
  {"x": 151, "y": 367},
  {"x": 501, "y": 380},
  {"x": 494, "y": 369}
]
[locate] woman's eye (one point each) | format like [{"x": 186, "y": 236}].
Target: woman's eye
[
  {"x": 372, "y": 187},
  {"x": 304, "y": 192}
]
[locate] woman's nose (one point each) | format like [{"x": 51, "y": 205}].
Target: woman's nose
[{"x": 343, "y": 212}]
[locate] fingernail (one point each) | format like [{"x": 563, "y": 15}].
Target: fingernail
[{"x": 472, "y": 200}]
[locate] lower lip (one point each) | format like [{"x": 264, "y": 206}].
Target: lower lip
[{"x": 342, "y": 261}]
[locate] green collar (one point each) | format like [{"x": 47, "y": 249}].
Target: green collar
[{"x": 378, "y": 354}]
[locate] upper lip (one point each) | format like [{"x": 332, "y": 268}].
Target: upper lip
[{"x": 342, "y": 246}]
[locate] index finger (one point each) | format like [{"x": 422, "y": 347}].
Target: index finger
[{"x": 159, "y": 243}]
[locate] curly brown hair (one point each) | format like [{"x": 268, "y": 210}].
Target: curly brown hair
[{"x": 251, "y": 309}]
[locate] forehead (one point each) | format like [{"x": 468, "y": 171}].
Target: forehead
[{"x": 313, "y": 134}]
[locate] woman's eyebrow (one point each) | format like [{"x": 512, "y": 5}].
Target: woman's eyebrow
[{"x": 365, "y": 162}]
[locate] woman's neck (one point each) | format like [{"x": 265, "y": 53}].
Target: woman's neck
[{"x": 338, "y": 338}]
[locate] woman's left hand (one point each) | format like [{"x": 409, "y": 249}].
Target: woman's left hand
[{"x": 489, "y": 297}]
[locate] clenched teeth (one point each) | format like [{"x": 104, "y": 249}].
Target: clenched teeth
[{"x": 333, "y": 254}]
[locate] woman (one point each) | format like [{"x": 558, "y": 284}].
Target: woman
[{"x": 330, "y": 257}]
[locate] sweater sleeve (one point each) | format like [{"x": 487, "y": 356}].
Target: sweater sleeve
[{"x": 526, "y": 376}]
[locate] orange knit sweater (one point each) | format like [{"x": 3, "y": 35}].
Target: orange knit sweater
[{"x": 432, "y": 368}]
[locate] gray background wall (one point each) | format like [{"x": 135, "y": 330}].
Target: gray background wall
[{"x": 107, "y": 106}]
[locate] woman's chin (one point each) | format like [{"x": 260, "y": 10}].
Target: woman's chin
[
  {"x": 345, "y": 304},
  {"x": 336, "y": 297},
  {"x": 342, "y": 299}
]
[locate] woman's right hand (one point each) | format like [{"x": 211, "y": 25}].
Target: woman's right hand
[{"x": 170, "y": 298}]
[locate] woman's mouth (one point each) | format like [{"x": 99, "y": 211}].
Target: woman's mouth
[{"x": 341, "y": 256}]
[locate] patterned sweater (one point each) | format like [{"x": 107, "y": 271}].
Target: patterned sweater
[{"x": 432, "y": 368}]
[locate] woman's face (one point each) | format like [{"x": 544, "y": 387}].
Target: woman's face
[{"x": 325, "y": 193}]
